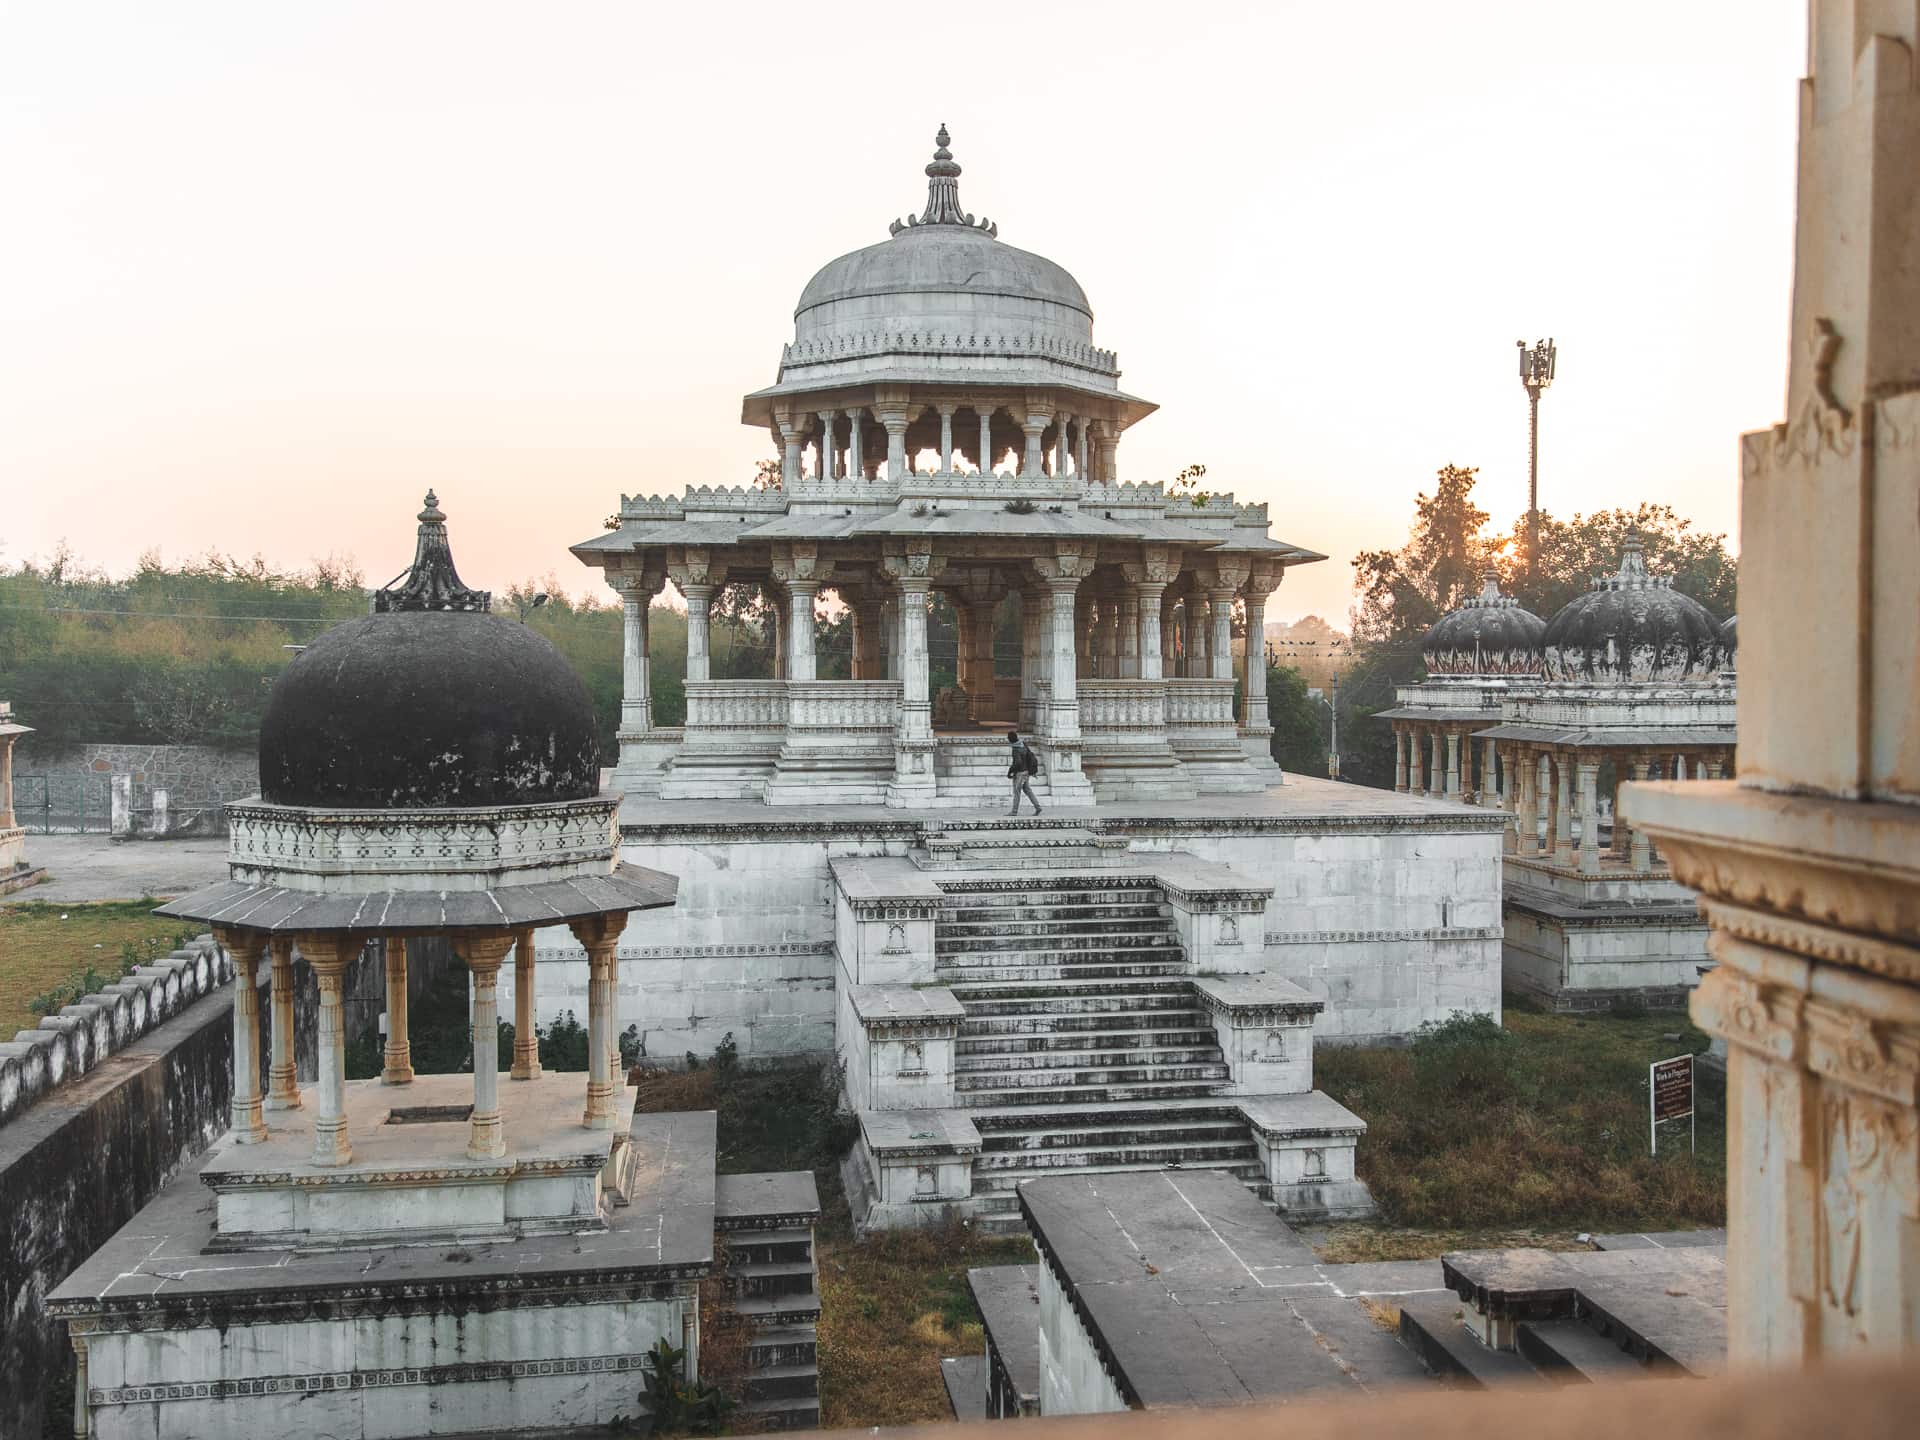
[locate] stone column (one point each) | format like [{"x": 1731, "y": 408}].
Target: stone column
[
  {"x": 1562, "y": 808},
  {"x": 1520, "y": 801},
  {"x": 1416, "y": 772},
  {"x": 1220, "y": 603},
  {"x": 1400, "y": 759},
  {"x": 800, "y": 656},
  {"x": 636, "y": 705},
  {"x": 7, "y": 821},
  {"x": 856, "y": 450},
  {"x": 397, "y": 1057},
  {"x": 946, "y": 437},
  {"x": 1437, "y": 765},
  {"x": 1148, "y": 596},
  {"x": 699, "y": 599},
  {"x": 600, "y": 936},
  {"x": 1063, "y": 709},
  {"x": 1033, "y": 608},
  {"x": 1254, "y": 699},
  {"x": 893, "y": 419},
  {"x": 793, "y": 436},
  {"x": 1130, "y": 633},
  {"x": 246, "y": 947},
  {"x": 829, "y": 459},
  {"x": 483, "y": 951},
  {"x": 328, "y": 956},
  {"x": 1453, "y": 765},
  {"x": 913, "y": 783},
  {"x": 526, "y": 1033},
  {"x": 283, "y": 1082},
  {"x": 986, "y": 441},
  {"x": 1490, "y": 794},
  {"x": 82, "y": 1404},
  {"x": 1640, "y": 853},
  {"x": 1110, "y": 632},
  {"x": 771, "y": 596},
  {"x": 1061, "y": 422},
  {"x": 1080, "y": 454},
  {"x": 1588, "y": 772},
  {"x": 1034, "y": 426}
]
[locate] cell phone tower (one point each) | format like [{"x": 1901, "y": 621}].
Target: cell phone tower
[{"x": 1536, "y": 374}]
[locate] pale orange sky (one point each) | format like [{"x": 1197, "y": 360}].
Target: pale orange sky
[{"x": 269, "y": 271}]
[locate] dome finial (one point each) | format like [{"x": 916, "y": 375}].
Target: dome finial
[
  {"x": 943, "y": 194},
  {"x": 431, "y": 583}
]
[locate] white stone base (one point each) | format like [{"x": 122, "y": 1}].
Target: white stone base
[
  {"x": 644, "y": 760},
  {"x": 910, "y": 1167},
  {"x": 1306, "y": 1146}
]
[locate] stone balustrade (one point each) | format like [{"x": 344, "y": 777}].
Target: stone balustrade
[
  {"x": 1200, "y": 704},
  {"x": 842, "y": 705},
  {"x": 1122, "y": 706},
  {"x": 735, "y": 705}
]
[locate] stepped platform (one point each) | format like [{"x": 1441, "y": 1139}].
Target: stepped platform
[{"x": 765, "y": 1221}]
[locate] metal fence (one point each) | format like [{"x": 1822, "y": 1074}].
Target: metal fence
[{"x": 63, "y": 804}]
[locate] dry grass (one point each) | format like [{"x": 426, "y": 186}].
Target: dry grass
[
  {"x": 1356, "y": 1241},
  {"x": 46, "y": 946},
  {"x": 1538, "y": 1125},
  {"x": 894, "y": 1306}
]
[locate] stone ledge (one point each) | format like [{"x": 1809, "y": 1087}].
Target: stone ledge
[
  {"x": 891, "y": 1133},
  {"x": 926, "y": 1010},
  {"x": 1250, "y": 999},
  {"x": 83, "y": 1034},
  {"x": 1315, "y": 1113}
]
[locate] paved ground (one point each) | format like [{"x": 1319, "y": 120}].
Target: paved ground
[{"x": 94, "y": 867}]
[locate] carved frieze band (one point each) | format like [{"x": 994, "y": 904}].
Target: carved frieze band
[{"x": 300, "y": 1385}]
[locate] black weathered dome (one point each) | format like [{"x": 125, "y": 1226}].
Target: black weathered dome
[
  {"x": 1633, "y": 626},
  {"x": 1488, "y": 635},
  {"x": 430, "y": 701},
  {"x": 1730, "y": 634}
]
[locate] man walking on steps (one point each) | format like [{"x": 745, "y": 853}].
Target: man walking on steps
[{"x": 1025, "y": 765}]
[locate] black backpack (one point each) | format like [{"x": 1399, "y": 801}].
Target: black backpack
[{"x": 1029, "y": 761}]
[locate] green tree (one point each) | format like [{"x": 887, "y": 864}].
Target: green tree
[{"x": 1300, "y": 722}]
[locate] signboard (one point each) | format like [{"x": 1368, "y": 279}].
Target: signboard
[{"x": 1669, "y": 1097}]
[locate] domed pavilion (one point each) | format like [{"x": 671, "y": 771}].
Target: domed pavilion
[
  {"x": 946, "y": 425},
  {"x": 412, "y": 1253},
  {"x": 1629, "y": 681}
]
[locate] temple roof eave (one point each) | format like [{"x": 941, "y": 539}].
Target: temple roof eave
[{"x": 757, "y": 407}]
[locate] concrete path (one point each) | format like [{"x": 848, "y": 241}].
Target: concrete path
[{"x": 94, "y": 867}]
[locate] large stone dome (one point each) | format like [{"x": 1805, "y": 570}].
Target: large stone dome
[
  {"x": 431, "y": 701},
  {"x": 1633, "y": 627},
  {"x": 1491, "y": 634}
]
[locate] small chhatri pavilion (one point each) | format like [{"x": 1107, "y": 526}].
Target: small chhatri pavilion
[
  {"x": 410, "y": 1254},
  {"x": 945, "y": 424}
]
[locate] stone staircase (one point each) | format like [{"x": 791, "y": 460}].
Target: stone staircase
[
  {"x": 766, "y": 1223},
  {"x": 1084, "y": 1046},
  {"x": 970, "y": 772}
]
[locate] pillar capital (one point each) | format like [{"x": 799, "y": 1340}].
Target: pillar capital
[
  {"x": 482, "y": 951},
  {"x": 799, "y": 564},
  {"x": 692, "y": 565},
  {"x": 913, "y": 568}
]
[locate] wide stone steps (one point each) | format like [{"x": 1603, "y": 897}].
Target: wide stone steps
[
  {"x": 1194, "y": 1033},
  {"x": 996, "y": 1198},
  {"x": 770, "y": 1280},
  {"x": 792, "y": 1246},
  {"x": 1010, "y": 919},
  {"x": 1007, "y": 904},
  {"x": 1198, "y": 1129},
  {"x": 772, "y": 1347},
  {"x": 1066, "y": 1094},
  {"x": 1145, "y": 1155},
  {"x": 1095, "y": 922},
  {"x": 1570, "y": 1350},
  {"x": 1060, "y": 967},
  {"x": 1080, "y": 1060},
  {"x": 1149, "y": 934}
]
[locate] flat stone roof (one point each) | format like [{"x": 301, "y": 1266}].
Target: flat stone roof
[
  {"x": 158, "y": 1261},
  {"x": 913, "y": 1131},
  {"x": 1008, "y": 1298},
  {"x": 764, "y": 1198},
  {"x": 1303, "y": 804},
  {"x": 1196, "y": 1294}
]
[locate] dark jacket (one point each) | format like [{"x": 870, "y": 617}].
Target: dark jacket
[{"x": 1022, "y": 761}]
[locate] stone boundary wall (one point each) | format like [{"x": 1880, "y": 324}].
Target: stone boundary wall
[
  {"x": 69, "y": 1044},
  {"x": 200, "y": 780},
  {"x": 79, "y": 1164}
]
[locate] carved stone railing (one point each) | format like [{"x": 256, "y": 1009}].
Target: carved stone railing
[
  {"x": 843, "y": 705},
  {"x": 1199, "y": 705},
  {"x": 830, "y": 349},
  {"x": 735, "y": 707},
  {"x": 1120, "y": 708}
]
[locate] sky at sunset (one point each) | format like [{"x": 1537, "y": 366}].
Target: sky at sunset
[{"x": 271, "y": 270}]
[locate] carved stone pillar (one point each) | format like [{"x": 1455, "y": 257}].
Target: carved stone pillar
[
  {"x": 912, "y": 574},
  {"x": 1060, "y": 423},
  {"x": 1588, "y": 772},
  {"x": 484, "y": 951},
  {"x": 1253, "y": 702},
  {"x": 1490, "y": 776},
  {"x": 246, "y": 947},
  {"x": 328, "y": 956},
  {"x": 793, "y": 436},
  {"x": 1562, "y": 808},
  {"x": 1453, "y": 765},
  {"x": 526, "y": 1034},
  {"x": 1130, "y": 633},
  {"x": 600, "y": 937},
  {"x": 946, "y": 410},
  {"x": 82, "y": 1401},
  {"x": 699, "y": 600},
  {"x": 1400, "y": 759},
  {"x": 1416, "y": 771},
  {"x": 283, "y": 1081},
  {"x": 986, "y": 441},
  {"x": 1220, "y": 603},
  {"x": 1034, "y": 426},
  {"x": 1437, "y": 765},
  {"x": 397, "y": 1061},
  {"x": 856, "y": 450},
  {"x": 981, "y": 689},
  {"x": 829, "y": 459},
  {"x": 893, "y": 419},
  {"x": 1080, "y": 454},
  {"x": 1519, "y": 801}
]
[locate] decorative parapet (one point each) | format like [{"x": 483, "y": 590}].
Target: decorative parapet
[
  {"x": 830, "y": 350},
  {"x": 69, "y": 1044},
  {"x": 345, "y": 851}
]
